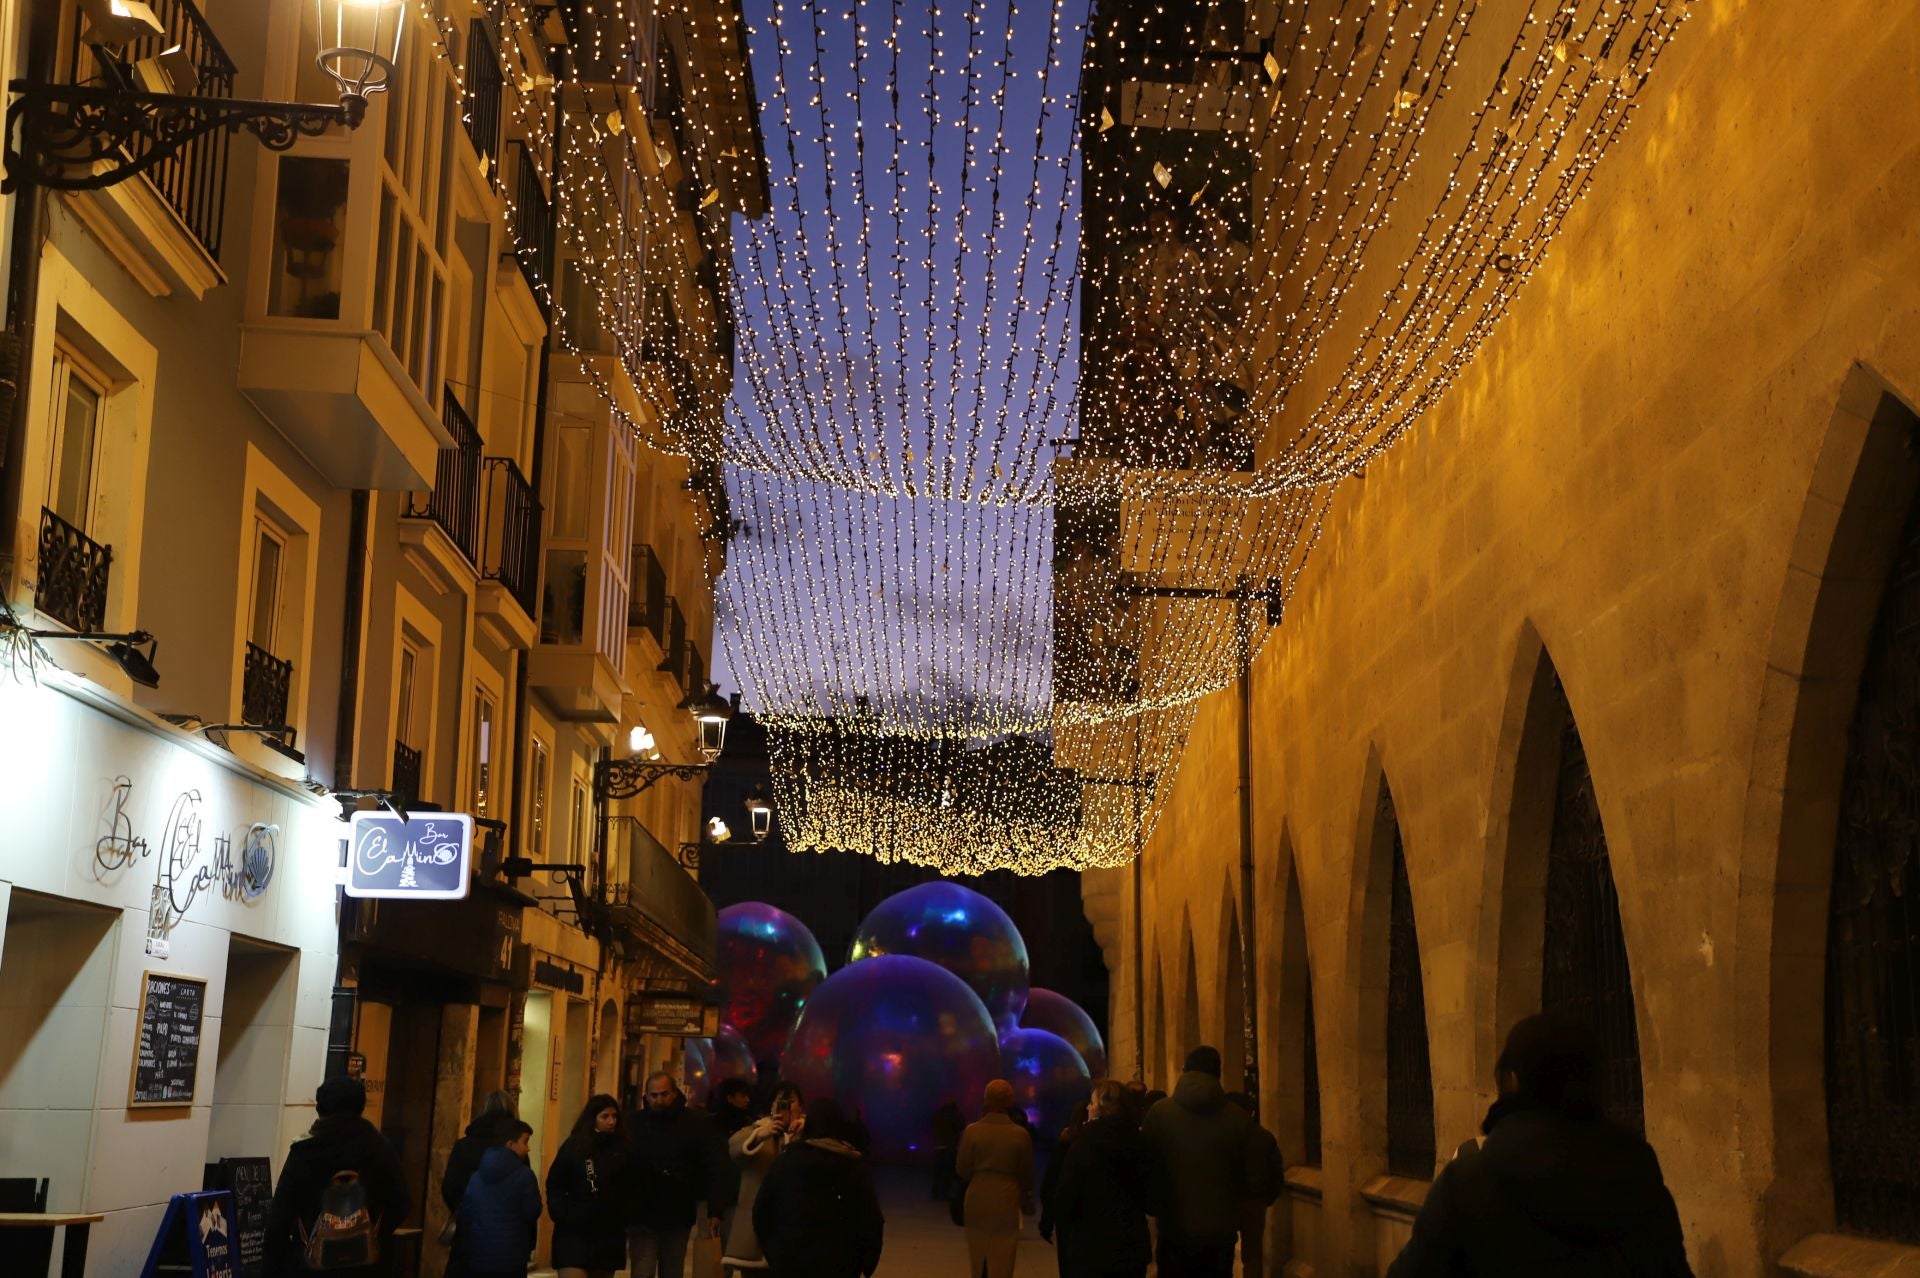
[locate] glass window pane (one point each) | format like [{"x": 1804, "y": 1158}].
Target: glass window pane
[
  {"x": 309, "y": 214},
  {"x": 482, "y": 753},
  {"x": 266, "y": 589},
  {"x": 403, "y": 700},
  {"x": 538, "y": 833},
  {"x": 73, "y": 475}
]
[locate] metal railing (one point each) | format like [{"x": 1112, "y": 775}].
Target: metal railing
[
  {"x": 71, "y": 586},
  {"x": 454, "y": 503},
  {"x": 264, "y": 685},
  {"x": 193, "y": 181},
  {"x": 656, "y": 890},
  {"x": 406, "y": 771},
  {"x": 647, "y": 593},
  {"x": 675, "y": 661},
  {"x": 512, "y": 553},
  {"x": 483, "y": 83},
  {"x": 531, "y": 225}
]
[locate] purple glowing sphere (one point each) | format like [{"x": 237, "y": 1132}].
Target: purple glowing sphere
[
  {"x": 1049, "y": 1079},
  {"x": 1058, "y": 1014},
  {"x": 960, "y": 930},
  {"x": 696, "y": 1070},
  {"x": 769, "y": 963},
  {"x": 893, "y": 1038},
  {"x": 731, "y": 1057}
]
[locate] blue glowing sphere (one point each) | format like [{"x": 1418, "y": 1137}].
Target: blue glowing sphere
[
  {"x": 769, "y": 963},
  {"x": 732, "y": 1058},
  {"x": 696, "y": 1070},
  {"x": 1058, "y": 1014},
  {"x": 893, "y": 1038},
  {"x": 960, "y": 930},
  {"x": 1049, "y": 1079}
]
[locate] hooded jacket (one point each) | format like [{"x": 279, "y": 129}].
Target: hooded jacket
[
  {"x": 816, "y": 1213},
  {"x": 499, "y": 1213},
  {"x": 336, "y": 1143},
  {"x": 464, "y": 1158},
  {"x": 1099, "y": 1202},
  {"x": 1547, "y": 1194},
  {"x": 676, "y": 1154},
  {"x": 1202, "y": 1156}
]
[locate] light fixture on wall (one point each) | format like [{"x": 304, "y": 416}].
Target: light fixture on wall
[
  {"x": 123, "y": 646},
  {"x": 712, "y": 711},
  {"x": 627, "y": 777},
  {"x": 140, "y": 112},
  {"x": 760, "y": 814}
]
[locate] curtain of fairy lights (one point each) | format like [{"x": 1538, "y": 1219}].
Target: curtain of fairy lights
[{"x": 1062, "y": 329}]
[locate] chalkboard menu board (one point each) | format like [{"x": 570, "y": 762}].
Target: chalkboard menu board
[
  {"x": 166, "y": 1061},
  {"x": 251, "y": 1180}
]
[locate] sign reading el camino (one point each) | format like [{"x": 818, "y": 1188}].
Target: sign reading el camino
[{"x": 424, "y": 858}]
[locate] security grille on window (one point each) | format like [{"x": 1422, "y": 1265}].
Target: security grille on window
[
  {"x": 1873, "y": 931},
  {"x": 1584, "y": 970},
  {"x": 1410, "y": 1143}
]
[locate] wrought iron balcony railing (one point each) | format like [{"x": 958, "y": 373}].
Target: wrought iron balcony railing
[
  {"x": 650, "y": 894},
  {"x": 531, "y": 225},
  {"x": 406, "y": 772},
  {"x": 193, "y": 181},
  {"x": 675, "y": 643},
  {"x": 72, "y": 583},
  {"x": 454, "y": 503},
  {"x": 512, "y": 553},
  {"x": 483, "y": 83},
  {"x": 264, "y": 685},
  {"x": 647, "y": 593}
]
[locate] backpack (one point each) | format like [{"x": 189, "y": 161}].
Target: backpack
[{"x": 347, "y": 1233}]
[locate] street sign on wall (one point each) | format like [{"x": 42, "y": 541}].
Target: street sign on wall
[{"x": 424, "y": 858}]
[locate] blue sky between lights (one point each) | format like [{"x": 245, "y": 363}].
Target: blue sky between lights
[{"x": 906, "y": 312}]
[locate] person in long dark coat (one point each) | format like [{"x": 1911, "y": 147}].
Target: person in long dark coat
[
  {"x": 1099, "y": 1203},
  {"x": 584, "y": 1194},
  {"x": 816, "y": 1213},
  {"x": 1553, "y": 1188},
  {"x": 497, "y": 1121}
]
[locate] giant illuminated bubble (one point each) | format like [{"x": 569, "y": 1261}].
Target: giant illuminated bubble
[
  {"x": 1049, "y": 1079},
  {"x": 769, "y": 963},
  {"x": 731, "y": 1058},
  {"x": 893, "y": 1038},
  {"x": 1058, "y": 1014},
  {"x": 960, "y": 930},
  {"x": 696, "y": 1070}
]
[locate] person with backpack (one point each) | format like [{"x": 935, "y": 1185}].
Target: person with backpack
[
  {"x": 816, "y": 1214},
  {"x": 341, "y": 1193},
  {"x": 1552, "y": 1187},
  {"x": 500, "y": 1211},
  {"x": 586, "y": 1192}
]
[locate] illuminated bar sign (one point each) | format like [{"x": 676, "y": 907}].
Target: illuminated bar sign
[{"x": 424, "y": 858}]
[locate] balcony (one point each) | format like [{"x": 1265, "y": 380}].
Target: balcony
[
  {"x": 166, "y": 228},
  {"x": 652, "y": 903},
  {"x": 530, "y": 226},
  {"x": 647, "y": 595},
  {"x": 674, "y": 660},
  {"x": 264, "y": 685},
  {"x": 483, "y": 83},
  {"x": 445, "y": 543},
  {"x": 509, "y": 595},
  {"x": 406, "y": 774},
  {"x": 70, "y": 584}
]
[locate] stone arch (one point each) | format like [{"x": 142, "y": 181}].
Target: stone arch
[
  {"x": 1231, "y": 975},
  {"x": 1192, "y": 1025},
  {"x": 1859, "y": 496},
  {"x": 1290, "y": 986}
]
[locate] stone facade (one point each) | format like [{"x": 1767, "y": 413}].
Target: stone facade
[{"x": 1676, "y": 473}]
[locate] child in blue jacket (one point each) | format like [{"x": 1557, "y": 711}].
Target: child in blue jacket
[{"x": 500, "y": 1212}]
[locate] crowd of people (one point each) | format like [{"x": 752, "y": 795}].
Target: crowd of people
[{"x": 1178, "y": 1182}]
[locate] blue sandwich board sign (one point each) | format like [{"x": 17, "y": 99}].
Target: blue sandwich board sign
[
  {"x": 424, "y": 858},
  {"x": 196, "y": 1237}
]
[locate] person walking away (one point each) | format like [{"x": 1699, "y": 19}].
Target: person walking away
[
  {"x": 1265, "y": 1175},
  {"x": 584, "y": 1195},
  {"x": 495, "y": 1122},
  {"x": 1099, "y": 1206},
  {"x": 675, "y": 1158},
  {"x": 996, "y": 1161},
  {"x": 1552, "y": 1188},
  {"x": 341, "y": 1193},
  {"x": 1199, "y": 1149},
  {"x": 752, "y": 1151},
  {"x": 947, "y": 1126},
  {"x": 1050, "y": 1182},
  {"x": 499, "y": 1215},
  {"x": 815, "y": 1213}
]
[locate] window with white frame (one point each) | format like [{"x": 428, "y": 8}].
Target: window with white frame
[
  {"x": 79, "y": 400},
  {"x": 269, "y": 579},
  {"x": 406, "y": 693},
  {"x": 274, "y": 602},
  {"x": 485, "y": 710},
  {"x": 580, "y": 807},
  {"x": 542, "y": 769}
]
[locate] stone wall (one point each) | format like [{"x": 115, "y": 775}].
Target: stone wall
[{"x": 1676, "y": 471}]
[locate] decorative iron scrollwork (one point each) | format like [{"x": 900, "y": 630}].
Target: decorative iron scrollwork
[
  {"x": 58, "y": 134},
  {"x": 624, "y": 778}
]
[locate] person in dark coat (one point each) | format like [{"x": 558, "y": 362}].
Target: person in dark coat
[
  {"x": 1200, "y": 1151},
  {"x": 1099, "y": 1200},
  {"x": 499, "y": 1215},
  {"x": 675, "y": 1160},
  {"x": 816, "y": 1214},
  {"x": 1265, "y": 1176},
  {"x": 341, "y": 1140},
  {"x": 584, "y": 1194},
  {"x": 948, "y": 1123},
  {"x": 496, "y": 1122},
  {"x": 732, "y": 1111},
  {"x": 1552, "y": 1188},
  {"x": 1050, "y": 1182}
]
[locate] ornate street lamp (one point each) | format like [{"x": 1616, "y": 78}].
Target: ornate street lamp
[
  {"x": 760, "y": 814},
  {"x": 81, "y": 137},
  {"x": 624, "y": 778}
]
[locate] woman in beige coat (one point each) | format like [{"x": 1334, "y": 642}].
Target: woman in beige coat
[{"x": 996, "y": 1161}]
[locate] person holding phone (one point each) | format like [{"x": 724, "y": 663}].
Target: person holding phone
[{"x": 752, "y": 1150}]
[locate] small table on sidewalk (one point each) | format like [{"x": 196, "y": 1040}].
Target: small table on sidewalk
[{"x": 73, "y": 1253}]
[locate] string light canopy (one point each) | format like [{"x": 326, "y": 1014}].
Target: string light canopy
[{"x": 1062, "y": 328}]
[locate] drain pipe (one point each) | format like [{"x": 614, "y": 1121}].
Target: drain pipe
[
  {"x": 1249, "y": 961},
  {"x": 346, "y": 911}
]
